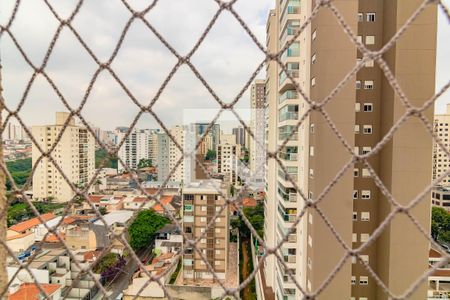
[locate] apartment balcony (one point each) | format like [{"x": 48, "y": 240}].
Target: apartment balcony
[
  {"x": 283, "y": 78},
  {"x": 289, "y": 9},
  {"x": 292, "y": 52},
  {"x": 288, "y": 156},
  {"x": 288, "y": 215},
  {"x": 287, "y": 197},
  {"x": 287, "y": 177},
  {"x": 288, "y": 116},
  {"x": 288, "y": 95},
  {"x": 289, "y": 32}
]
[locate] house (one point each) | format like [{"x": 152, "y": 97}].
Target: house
[
  {"x": 137, "y": 202},
  {"x": 21, "y": 236},
  {"x": 168, "y": 239},
  {"x": 171, "y": 203},
  {"x": 55, "y": 266},
  {"x": 439, "y": 280},
  {"x": 84, "y": 235},
  {"x": 30, "y": 291}
]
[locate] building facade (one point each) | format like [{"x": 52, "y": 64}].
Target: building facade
[
  {"x": 227, "y": 161},
  {"x": 257, "y": 153},
  {"x": 363, "y": 111},
  {"x": 441, "y": 161},
  {"x": 139, "y": 144},
  {"x": 201, "y": 202},
  {"x": 169, "y": 156},
  {"x": 239, "y": 133},
  {"x": 74, "y": 154}
]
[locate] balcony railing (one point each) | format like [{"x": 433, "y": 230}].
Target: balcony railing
[
  {"x": 289, "y": 259},
  {"x": 288, "y": 33},
  {"x": 291, "y": 52},
  {"x": 290, "y": 197},
  {"x": 293, "y": 73},
  {"x": 286, "y": 177},
  {"x": 290, "y": 94},
  {"x": 290, "y": 115},
  {"x": 288, "y": 156},
  {"x": 289, "y": 7}
]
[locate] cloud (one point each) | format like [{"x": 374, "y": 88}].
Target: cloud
[{"x": 226, "y": 58}]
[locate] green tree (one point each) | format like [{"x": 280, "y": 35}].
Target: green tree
[
  {"x": 106, "y": 262},
  {"x": 440, "y": 225},
  {"x": 103, "y": 210},
  {"x": 210, "y": 155},
  {"x": 20, "y": 171},
  {"x": 145, "y": 163},
  {"x": 101, "y": 155},
  {"x": 144, "y": 227}
]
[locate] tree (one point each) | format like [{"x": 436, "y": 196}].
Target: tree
[
  {"x": 210, "y": 155},
  {"x": 145, "y": 163},
  {"x": 103, "y": 210},
  {"x": 104, "y": 160},
  {"x": 232, "y": 190},
  {"x": 440, "y": 225},
  {"x": 144, "y": 227}
]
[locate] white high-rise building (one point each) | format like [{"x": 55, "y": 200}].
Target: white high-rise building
[
  {"x": 74, "y": 154},
  {"x": 169, "y": 155},
  {"x": 139, "y": 144}
]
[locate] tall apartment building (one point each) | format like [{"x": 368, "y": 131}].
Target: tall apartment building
[
  {"x": 139, "y": 144},
  {"x": 74, "y": 154},
  {"x": 201, "y": 202},
  {"x": 228, "y": 155},
  {"x": 169, "y": 155},
  {"x": 15, "y": 132},
  {"x": 239, "y": 133},
  {"x": 257, "y": 152},
  {"x": 441, "y": 162},
  {"x": 363, "y": 111}
]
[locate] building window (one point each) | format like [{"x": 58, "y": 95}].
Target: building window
[
  {"x": 311, "y": 173},
  {"x": 357, "y": 107},
  {"x": 360, "y": 17},
  {"x": 368, "y": 107},
  {"x": 313, "y": 81},
  {"x": 311, "y": 128},
  {"x": 355, "y": 216},
  {"x": 366, "y": 150},
  {"x": 355, "y": 172},
  {"x": 368, "y": 85},
  {"x": 359, "y": 39},
  {"x": 369, "y": 63},
  {"x": 364, "y": 237},
  {"x": 310, "y": 218},
  {"x": 314, "y": 35},
  {"x": 313, "y": 58},
  {"x": 311, "y": 151},
  {"x": 203, "y": 208},
  {"x": 355, "y": 194},
  {"x": 365, "y": 258},
  {"x": 365, "y": 194},
  {"x": 365, "y": 172},
  {"x": 370, "y": 40},
  {"x": 309, "y": 240},
  {"x": 367, "y": 129},
  {"x": 203, "y": 241},
  {"x": 370, "y": 17},
  {"x": 365, "y": 216},
  {"x": 356, "y": 129},
  {"x": 202, "y": 219},
  {"x": 363, "y": 280},
  {"x": 353, "y": 280},
  {"x": 358, "y": 84}
]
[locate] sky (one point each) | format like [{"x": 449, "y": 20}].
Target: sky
[{"x": 226, "y": 59}]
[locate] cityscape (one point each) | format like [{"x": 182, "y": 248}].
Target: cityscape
[{"x": 326, "y": 177}]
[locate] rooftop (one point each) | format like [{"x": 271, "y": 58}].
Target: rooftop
[
  {"x": 119, "y": 216},
  {"x": 30, "y": 291},
  {"x": 26, "y": 225}
]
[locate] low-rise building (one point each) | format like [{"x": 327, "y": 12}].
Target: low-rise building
[
  {"x": 21, "y": 236},
  {"x": 30, "y": 291},
  {"x": 440, "y": 197},
  {"x": 439, "y": 280}
]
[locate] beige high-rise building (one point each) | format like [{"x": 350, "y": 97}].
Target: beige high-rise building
[
  {"x": 257, "y": 153},
  {"x": 169, "y": 156},
  {"x": 228, "y": 155},
  {"x": 441, "y": 162},
  {"x": 201, "y": 202},
  {"x": 363, "y": 111},
  {"x": 74, "y": 154}
]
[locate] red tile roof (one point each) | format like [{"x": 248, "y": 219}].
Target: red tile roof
[
  {"x": 249, "y": 202},
  {"x": 441, "y": 273},
  {"x": 52, "y": 238},
  {"x": 434, "y": 253},
  {"x": 26, "y": 225},
  {"x": 18, "y": 236},
  {"x": 164, "y": 200},
  {"x": 30, "y": 291},
  {"x": 96, "y": 198}
]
